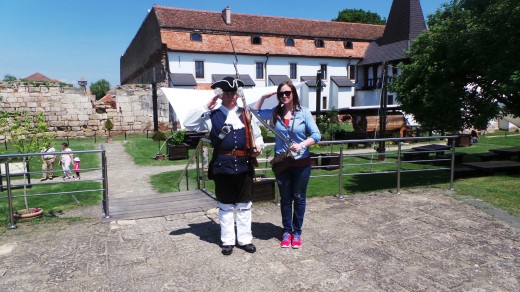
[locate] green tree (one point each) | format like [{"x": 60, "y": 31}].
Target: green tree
[
  {"x": 465, "y": 70},
  {"x": 109, "y": 125},
  {"x": 26, "y": 133},
  {"x": 100, "y": 88},
  {"x": 9, "y": 77},
  {"x": 329, "y": 124},
  {"x": 359, "y": 16}
]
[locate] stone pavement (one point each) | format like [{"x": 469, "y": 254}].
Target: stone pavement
[{"x": 421, "y": 240}]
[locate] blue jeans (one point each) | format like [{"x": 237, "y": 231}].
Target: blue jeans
[{"x": 292, "y": 184}]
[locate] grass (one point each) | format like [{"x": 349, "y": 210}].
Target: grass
[
  {"x": 56, "y": 204},
  {"x": 143, "y": 150},
  {"x": 500, "y": 190}
]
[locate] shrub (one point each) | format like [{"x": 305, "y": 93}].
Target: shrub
[
  {"x": 109, "y": 126},
  {"x": 158, "y": 136},
  {"x": 178, "y": 137}
]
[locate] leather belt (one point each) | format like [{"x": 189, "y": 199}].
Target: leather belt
[{"x": 234, "y": 152}]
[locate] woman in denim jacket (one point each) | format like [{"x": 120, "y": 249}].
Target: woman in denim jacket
[{"x": 298, "y": 126}]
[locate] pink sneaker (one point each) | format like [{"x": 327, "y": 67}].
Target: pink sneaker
[
  {"x": 296, "y": 241},
  {"x": 286, "y": 240}
]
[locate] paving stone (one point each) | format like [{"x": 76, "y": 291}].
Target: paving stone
[{"x": 420, "y": 240}]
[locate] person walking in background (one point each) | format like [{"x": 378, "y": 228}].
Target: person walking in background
[
  {"x": 297, "y": 125},
  {"x": 65, "y": 160},
  {"x": 76, "y": 167},
  {"x": 48, "y": 159},
  {"x": 232, "y": 164}
]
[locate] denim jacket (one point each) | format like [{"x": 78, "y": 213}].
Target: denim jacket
[{"x": 304, "y": 126}]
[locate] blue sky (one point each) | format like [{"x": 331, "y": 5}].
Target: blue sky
[{"x": 71, "y": 39}]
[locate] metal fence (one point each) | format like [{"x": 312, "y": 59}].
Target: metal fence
[
  {"x": 20, "y": 162},
  {"x": 398, "y": 156}
]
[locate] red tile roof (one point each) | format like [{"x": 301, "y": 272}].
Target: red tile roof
[
  {"x": 255, "y": 24},
  {"x": 39, "y": 77},
  {"x": 176, "y": 25}
]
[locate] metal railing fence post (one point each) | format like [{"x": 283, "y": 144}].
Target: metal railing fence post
[
  {"x": 106, "y": 202},
  {"x": 452, "y": 169},
  {"x": 187, "y": 179},
  {"x": 399, "y": 167},
  {"x": 9, "y": 197},
  {"x": 197, "y": 161},
  {"x": 341, "y": 197},
  {"x": 204, "y": 160}
]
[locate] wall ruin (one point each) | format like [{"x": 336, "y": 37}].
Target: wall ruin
[{"x": 70, "y": 111}]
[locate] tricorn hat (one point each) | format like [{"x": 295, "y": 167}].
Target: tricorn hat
[{"x": 228, "y": 84}]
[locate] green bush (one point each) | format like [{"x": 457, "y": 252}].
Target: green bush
[
  {"x": 159, "y": 136},
  {"x": 178, "y": 137}
]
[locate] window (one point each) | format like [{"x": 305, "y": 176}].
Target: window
[
  {"x": 348, "y": 45},
  {"x": 289, "y": 42},
  {"x": 199, "y": 69},
  {"x": 259, "y": 70},
  {"x": 293, "y": 71},
  {"x": 196, "y": 37},
  {"x": 323, "y": 68},
  {"x": 351, "y": 72},
  {"x": 256, "y": 40},
  {"x": 390, "y": 99},
  {"x": 324, "y": 102},
  {"x": 319, "y": 43}
]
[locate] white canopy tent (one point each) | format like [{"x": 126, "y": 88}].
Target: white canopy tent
[{"x": 185, "y": 100}]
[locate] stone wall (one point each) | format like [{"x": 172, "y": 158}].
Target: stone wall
[{"x": 70, "y": 111}]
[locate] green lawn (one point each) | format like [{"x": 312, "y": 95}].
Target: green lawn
[
  {"x": 55, "y": 204},
  {"x": 143, "y": 150},
  {"x": 500, "y": 190}
]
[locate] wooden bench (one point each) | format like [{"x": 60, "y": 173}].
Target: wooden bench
[
  {"x": 415, "y": 155},
  {"x": 16, "y": 169},
  {"x": 464, "y": 171},
  {"x": 459, "y": 157},
  {"x": 490, "y": 167},
  {"x": 488, "y": 156},
  {"x": 507, "y": 153}
]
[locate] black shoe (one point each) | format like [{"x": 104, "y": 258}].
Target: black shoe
[
  {"x": 250, "y": 248},
  {"x": 227, "y": 249},
  {"x": 43, "y": 179}
]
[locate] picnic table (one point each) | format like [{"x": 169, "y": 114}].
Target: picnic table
[
  {"x": 432, "y": 148},
  {"x": 508, "y": 152},
  {"x": 423, "y": 152},
  {"x": 495, "y": 166}
]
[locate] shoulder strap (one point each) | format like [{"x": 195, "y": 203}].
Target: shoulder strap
[{"x": 248, "y": 134}]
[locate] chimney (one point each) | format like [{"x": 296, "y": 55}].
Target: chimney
[{"x": 226, "y": 15}]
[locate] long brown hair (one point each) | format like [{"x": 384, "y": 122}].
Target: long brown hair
[{"x": 278, "y": 110}]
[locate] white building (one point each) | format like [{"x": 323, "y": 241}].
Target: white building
[{"x": 192, "y": 49}]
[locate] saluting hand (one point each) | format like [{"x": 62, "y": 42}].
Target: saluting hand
[
  {"x": 213, "y": 102},
  {"x": 265, "y": 96}
]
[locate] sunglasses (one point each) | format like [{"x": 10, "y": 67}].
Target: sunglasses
[{"x": 286, "y": 93}]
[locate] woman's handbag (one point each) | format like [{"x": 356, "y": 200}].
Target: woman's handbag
[
  {"x": 281, "y": 162},
  {"x": 285, "y": 160}
]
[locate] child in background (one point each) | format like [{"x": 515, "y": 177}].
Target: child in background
[{"x": 76, "y": 167}]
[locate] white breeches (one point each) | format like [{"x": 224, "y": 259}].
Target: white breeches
[{"x": 226, "y": 217}]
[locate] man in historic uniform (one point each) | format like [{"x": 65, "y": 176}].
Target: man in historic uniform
[{"x": 232, "y": 166}]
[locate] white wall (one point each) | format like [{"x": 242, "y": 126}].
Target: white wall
[{"x": 223, "y": 64}]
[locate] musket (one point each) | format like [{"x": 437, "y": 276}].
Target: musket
[{"x": 247, "y": 111}]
